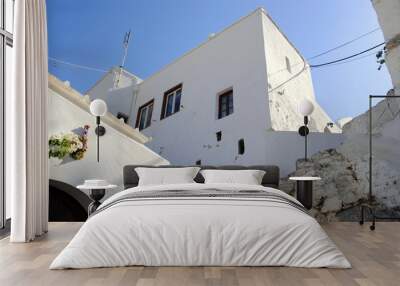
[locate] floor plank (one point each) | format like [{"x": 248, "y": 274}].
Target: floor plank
[{"x": 375, "y": 257}]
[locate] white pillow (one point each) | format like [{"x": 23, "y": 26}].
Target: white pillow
[
  {"x": 248, "y": 177},
  {"x": 165, "y": 176}
]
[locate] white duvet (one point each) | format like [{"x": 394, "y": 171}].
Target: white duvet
[{"x": 199, "y": 231}]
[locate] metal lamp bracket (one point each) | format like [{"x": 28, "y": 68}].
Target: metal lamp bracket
[{"x": 100, "y": 130}]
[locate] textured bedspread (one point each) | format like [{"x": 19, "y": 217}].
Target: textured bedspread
[
  {"x": 204, "y": 194},
  {"x": 201, "y": 224}
]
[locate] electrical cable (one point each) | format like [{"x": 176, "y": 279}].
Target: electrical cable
[
  {"x": 348, "y": 57},
  {"x": 76, "y": 65},
  {"x": 291, "y": 78},
  {"x": 313, "y": 57},
  {"x": 335, "y": 62},
  {"x": 330, "y": 63},
  {"x": 329, "y": 50},
  {"x": 344, "y": 44},
  {"x": 352, "y": 60}
]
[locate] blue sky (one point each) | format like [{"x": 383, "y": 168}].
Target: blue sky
[{"x": 90, "y": 33}]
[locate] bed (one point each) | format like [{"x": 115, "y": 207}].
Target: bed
[{"x": 201, "y": 224}]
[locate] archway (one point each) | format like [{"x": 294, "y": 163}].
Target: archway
[{"x": 67, "y": 203}]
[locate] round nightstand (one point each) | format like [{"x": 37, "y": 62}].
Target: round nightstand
[
  {"x": 97, "y": 190},
  {"x": 304, "y": 186}
]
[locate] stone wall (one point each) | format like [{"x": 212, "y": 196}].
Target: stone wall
[
  {"x": 345, "y": 170},
  {"x": 344, "y": 185}
]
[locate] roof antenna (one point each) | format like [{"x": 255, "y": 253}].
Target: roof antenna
[{"x": 125, "y": 45}]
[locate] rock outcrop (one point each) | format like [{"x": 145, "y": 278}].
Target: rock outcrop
[
  {"x": 345, "y": 170},
  {"x": 345, "y": 185}
]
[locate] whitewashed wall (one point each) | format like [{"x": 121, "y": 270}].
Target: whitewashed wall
[
  {"x": 285, "y": 99},
  {"x": 120, "y": 99},
  {"x": 116, "y": 149},
  {"x": 388, "y": 12},
  {"x": 234, "y": 59},
  {"x": 281, "y": 148},
  {"x": 237, "y": 57}
]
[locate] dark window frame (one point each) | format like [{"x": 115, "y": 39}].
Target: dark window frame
[
  {"x": 225, "y": 104},
  {"x": 171, "y": 93},
  {"x": 139, "y": 115}
]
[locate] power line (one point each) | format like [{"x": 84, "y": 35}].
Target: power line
[
  {"x": 346, "y": 58},
  {"x": 352, "y": 60},
  {"x": 76, "y": 65},
  {"x": 329, "y": 50},
  {"x": 313, "y": 57},
  {"x": 344, "y": 44},
  {"x": 335, "y": 62}
]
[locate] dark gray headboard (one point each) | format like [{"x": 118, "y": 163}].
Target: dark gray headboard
[{"x": 271, "y": 177}]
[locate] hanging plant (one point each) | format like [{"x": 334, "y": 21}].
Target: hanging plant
[
  {"x": 380, "y": 59},
  {"x": 70, "y": 144}
]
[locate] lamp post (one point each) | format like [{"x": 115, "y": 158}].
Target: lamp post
[
  {"x": 98, "y": 108},
  {"x": 305, "y": 108}
]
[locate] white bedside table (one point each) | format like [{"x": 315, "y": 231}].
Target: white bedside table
[
  {"x": 304, "y": 187},
  {"x": 97, "y": 190}
]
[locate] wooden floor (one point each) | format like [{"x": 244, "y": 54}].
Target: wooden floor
[{"x": 375, "y": 257}]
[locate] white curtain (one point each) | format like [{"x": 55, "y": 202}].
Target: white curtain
[{"x": 26, "y": 123}]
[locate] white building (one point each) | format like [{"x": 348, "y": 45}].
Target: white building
[
  {"x": 117, "y": 88},
  {"x": 231, "y": 100},
  {"x": 120, "y": 145}
]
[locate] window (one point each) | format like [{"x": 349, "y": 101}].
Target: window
[
  {"x": 241, "y": 146},
  {"x": 225, "y": 104},
  {"x": 6, "y": 44},
  {"x": 143, "y": 119},
  {"x": 171, "y": 101},
  {"x": 121, "y": 115},
  {"x": 219, "y": 135},
  {"x": 9, "y": 15},
  {"x": 288, "y": 67},
  {"x": 198, "y": 162}
]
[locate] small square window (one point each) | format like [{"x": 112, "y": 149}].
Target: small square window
[
  {"x": 288, "y": 66},
  {"x": 219, "y": 135},
  {"x": 225, "y": 104},
  {"x": 241, "y": 146},
  {"x": 198, "y": 162},
  {"x": 171, "y": 101},
  {"x": 144, "y": 115}
]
